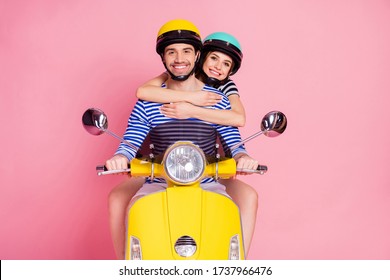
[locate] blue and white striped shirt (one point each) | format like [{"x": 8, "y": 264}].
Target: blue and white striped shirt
[
  {"x": 146, "y": 115},
  {"x": 229, "y": 88}
]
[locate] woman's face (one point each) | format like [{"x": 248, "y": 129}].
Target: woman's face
[{"x": 217, "y": 65}]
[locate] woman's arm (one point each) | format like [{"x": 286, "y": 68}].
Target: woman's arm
[
  {"x": 152, "y": 91},
  {"x": 184, "y": 101},
  {"x": 183, "y": 110},
  {"x": 238, "y": 110}
]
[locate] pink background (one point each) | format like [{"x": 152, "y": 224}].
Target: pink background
[{"x": 325, "y": 64}]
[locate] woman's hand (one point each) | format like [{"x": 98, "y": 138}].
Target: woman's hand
[
  {"x": 204, "y": 98},
  {"x": 178, "y": 110}
]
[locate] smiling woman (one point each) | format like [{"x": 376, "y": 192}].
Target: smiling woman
[
  {"x": 221, "y": 57},
  {"x": 217, "y": 65}
]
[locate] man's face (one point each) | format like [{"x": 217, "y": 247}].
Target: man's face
[{"x": 180, "y": 58}]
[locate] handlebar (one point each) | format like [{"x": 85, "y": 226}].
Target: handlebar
[
  {"x": 261, "y": 169},
  {"x": 102, "y": 170}
]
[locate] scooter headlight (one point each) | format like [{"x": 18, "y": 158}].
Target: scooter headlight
[{"x": 184, "y": 163}]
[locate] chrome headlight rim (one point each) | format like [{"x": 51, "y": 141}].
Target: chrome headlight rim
[{"x": 199, "y": 152}]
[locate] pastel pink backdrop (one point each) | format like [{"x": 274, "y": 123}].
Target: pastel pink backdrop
[{"x": 325, "y": 64}]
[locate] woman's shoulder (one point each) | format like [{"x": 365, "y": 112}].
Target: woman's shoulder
[{"x": 229, "y": 88}]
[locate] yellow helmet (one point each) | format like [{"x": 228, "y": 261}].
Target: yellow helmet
[{"x": 178, "y": 31}]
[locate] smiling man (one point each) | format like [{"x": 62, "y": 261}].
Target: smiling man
[
  {"x": 179, "y": 32},
  {"x": 178, "y": 44},
  {"x": 178, "y": 60}
]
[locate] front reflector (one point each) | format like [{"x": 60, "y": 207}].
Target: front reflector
[
  {"x": 234, "y": 251},
  {"x": 135, "y": 249},
  {"x": 185, "y": 246}
]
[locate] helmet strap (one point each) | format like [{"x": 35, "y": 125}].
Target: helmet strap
[
  {"x": 179, "y": 78},
  {"x": 211, "y": 81}
]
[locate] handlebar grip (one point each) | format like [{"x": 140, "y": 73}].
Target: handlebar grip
[
  {"x": 262, "y": 168},
  {"x": 102, "y": 170}
]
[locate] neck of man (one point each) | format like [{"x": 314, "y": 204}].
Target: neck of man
[{"x": 191, "y": 84}]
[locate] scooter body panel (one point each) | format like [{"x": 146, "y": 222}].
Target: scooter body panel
[{"x": 158, "y": 220}]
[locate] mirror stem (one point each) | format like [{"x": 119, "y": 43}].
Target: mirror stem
[
  {"x": 121, "y": 139},
  {"x": 247, "y": 139}
]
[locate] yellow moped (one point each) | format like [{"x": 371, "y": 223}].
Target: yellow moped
[{"x": 184, "y": 222}]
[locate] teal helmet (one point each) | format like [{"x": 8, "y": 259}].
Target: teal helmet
[{"x": 226, "y": 43}]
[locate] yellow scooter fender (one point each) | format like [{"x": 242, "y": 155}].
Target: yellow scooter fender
[{"x": 160, "y": 222}]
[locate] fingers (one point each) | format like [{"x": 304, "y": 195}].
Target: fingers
[
  {"x": 213, "y": 99},
  {"x": 169, "y": 111},
  {"x": 179, "y": 110},
  {"x": 117, "y": 162},
  {"x": 207, "y": 98},
  {"x": 246, "y": 162}
]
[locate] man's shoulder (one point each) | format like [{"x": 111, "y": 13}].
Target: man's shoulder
[{"x": 146, "y": 106}]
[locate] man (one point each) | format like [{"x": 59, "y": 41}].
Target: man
[{"x": 179, "y": 45}]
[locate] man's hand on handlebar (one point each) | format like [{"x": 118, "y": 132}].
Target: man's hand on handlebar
[
  {"x": 245, "y": 162},
  {"x": 117, "y": 162}
]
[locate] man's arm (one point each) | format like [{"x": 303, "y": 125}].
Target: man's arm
[{"x": 136, "y": 131}]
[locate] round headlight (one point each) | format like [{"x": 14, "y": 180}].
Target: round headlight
[{"x": 184, "y": 163}]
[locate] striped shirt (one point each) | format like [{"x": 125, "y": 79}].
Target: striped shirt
[
  {"x": 229, "y": 88},
  {"x": 147, "y": 115}
]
